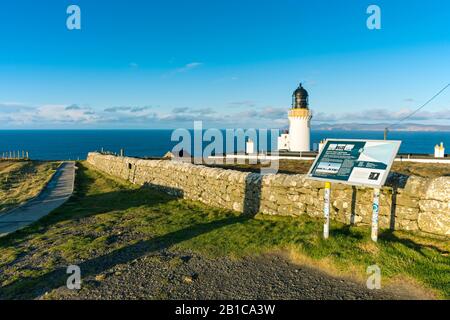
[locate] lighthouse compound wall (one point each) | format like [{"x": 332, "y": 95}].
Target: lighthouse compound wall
[{"x": 407, "y": 202}]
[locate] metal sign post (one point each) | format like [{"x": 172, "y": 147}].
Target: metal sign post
[
  {"x": 376, "y": 208},
  {"x": 326, "y": 210},
  {"x": 354, "y": 162}
]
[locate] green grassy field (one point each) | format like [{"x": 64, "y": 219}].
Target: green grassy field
[
  {"x": 107, "y": 217},
  {"x": 22, "y": 180}
]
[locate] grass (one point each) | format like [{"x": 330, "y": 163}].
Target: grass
[
  {"x": 109, "y": 221},
  {"x": 426, "y": 170},
  {"x": 22, "y": 180}
]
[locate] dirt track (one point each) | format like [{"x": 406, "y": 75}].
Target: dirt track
[{"x": 183, "y": 275}]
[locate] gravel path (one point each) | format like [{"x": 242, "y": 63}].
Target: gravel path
[{"x": 184, "y": 275}]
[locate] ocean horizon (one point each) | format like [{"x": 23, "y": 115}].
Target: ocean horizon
[{"x": 55, "y": 144}]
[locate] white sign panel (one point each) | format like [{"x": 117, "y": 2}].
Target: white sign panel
[{"x": 355, "y": 162}]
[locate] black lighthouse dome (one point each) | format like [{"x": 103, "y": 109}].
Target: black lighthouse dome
[{"x": 300, "y": 98}]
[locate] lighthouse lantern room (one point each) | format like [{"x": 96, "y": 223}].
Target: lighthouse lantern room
[{"x": 298, "y": 139}]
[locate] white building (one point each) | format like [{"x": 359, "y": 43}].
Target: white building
[
  {"x": 439, "y": 151},
  {"x": 250, "y": 147},
  {"x": 298, "y": 138},
  {"x": 283, "y": 141}
]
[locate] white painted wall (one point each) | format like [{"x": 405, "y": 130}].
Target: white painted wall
[
  {"x": 299, "y": 134},
  {"x": 283, "y": 142},
  {"x": 250, "y": 147}
]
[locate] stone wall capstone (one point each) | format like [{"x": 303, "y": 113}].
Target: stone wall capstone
[{"x": 407, "y": 203}]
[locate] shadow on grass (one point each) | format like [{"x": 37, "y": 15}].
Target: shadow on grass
[
  {"x": 388, "y": 235},
  {"x": 347, "y": 231},
  {"x": 30, "y": 288},
  {"x": 84, "y": 204},
  {"x": 81, "y": 205}
]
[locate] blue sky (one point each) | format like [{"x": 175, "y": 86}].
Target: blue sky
[{"x": 164, "y": 64}]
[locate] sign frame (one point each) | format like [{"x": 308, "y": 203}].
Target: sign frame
[{"x": 397, "y": 144}]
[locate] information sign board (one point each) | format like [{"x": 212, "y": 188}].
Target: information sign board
[{"x": 355, "y": 162}]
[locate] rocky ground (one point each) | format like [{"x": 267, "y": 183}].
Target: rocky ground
[{"x": 184, "y": 275}]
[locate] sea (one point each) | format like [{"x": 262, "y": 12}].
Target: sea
[{"x": 75, "y": 144}]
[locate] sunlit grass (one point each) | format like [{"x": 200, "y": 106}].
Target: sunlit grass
[
  {"x": 106, "y": 215},
  {"x": 22, "y": 180}
]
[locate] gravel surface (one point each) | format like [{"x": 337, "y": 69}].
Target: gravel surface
[{"x": 185, "y": 275}]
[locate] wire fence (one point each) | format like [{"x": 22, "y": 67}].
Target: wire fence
[{"x": 15, "y": 155}]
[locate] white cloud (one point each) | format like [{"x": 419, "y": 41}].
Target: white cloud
[
  {"x": 273, "y": 113},
  {"x": 198, "y": 111},
  {"x": 184, "y": 69},
  {"x": 62, "y": 113},
  {"x": 242, "y": 103},
  {"x": 22, "y": 115},
  {"x": 12, "y": 107},
  {"x": 57, "y": 115},
  {"x": 126, "y": 109},
  {"x": 189, "y": 67}
]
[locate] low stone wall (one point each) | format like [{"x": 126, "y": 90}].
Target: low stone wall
[{"x": 406, "y": 203}]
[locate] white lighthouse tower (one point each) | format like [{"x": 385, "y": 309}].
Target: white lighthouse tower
[{"x": 300, "y": 121}]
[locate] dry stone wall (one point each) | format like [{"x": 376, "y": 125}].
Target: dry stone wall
[{"x": 406, "y": 203}]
